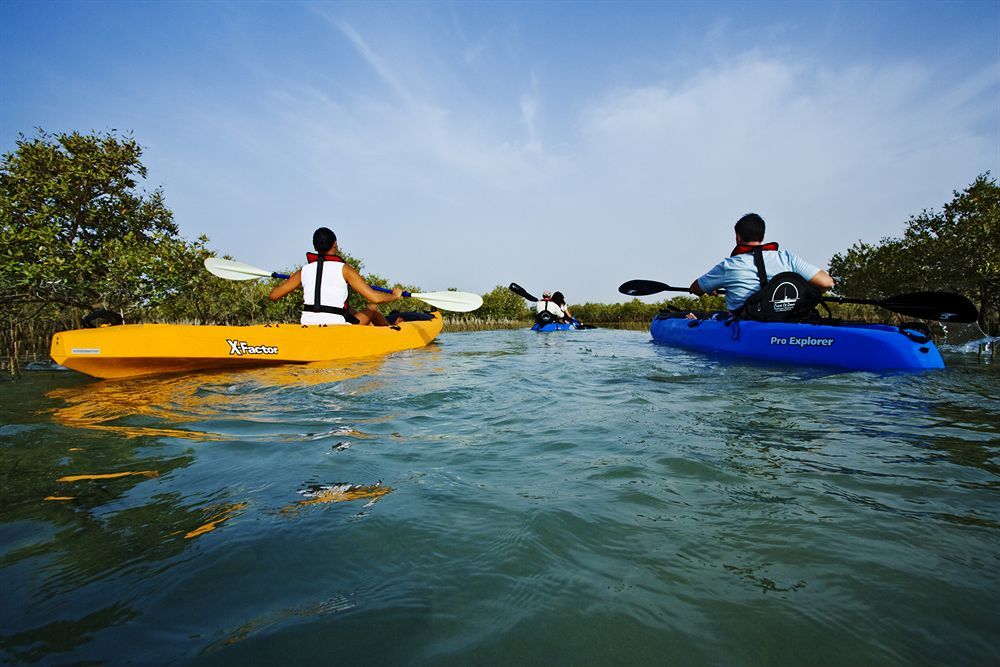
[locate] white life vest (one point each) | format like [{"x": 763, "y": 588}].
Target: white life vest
[
  {"x": 550, "y": 306},
  {"x": 324, "y": 291}
]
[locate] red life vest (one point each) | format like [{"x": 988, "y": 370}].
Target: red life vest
[
  {"x": 743, "y": 248},
  {"x": 313, "y": 257}
]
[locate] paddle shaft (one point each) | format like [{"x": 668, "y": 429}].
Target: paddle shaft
[
  {"x": 888, "y": 303},
  {"x": 462, "y": 302},
  {"x": 285, "y": 276},
  {"x": 282, "y": 276},
  {"x": 388, "y": 291},
  {"x": 942, "y": 306}
]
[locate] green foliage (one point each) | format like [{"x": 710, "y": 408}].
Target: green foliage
[
  {"x": 499, "y": 305},
  {"x": 636, "y": 311},
  {"x": 955, "y": 250},
  {"x": 502, "y": 304},
  {"x": 75, "y": 230}
]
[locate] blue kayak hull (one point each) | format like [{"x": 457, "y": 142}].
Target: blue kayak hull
[
  {"x": 555, "y": 326},
  {"x": 868, "y": 347}
]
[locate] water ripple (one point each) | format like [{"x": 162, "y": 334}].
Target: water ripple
[{"x": 505, "y": 497}]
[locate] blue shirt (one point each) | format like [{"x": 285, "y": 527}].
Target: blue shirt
[{"x": 739, "y": 275}]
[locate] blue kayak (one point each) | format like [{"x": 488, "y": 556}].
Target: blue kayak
[
  {"x": 853, "y": 346},
  {"x": 555, "y": 326}
]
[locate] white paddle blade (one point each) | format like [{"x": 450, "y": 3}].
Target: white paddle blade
[
  {"x": 230, "y": 270},
  {"x": 457, "y": 302}
]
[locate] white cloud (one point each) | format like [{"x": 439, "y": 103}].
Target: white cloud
[{"x": 437, "y": 193}]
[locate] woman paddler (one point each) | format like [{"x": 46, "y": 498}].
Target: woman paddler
[{"x": 325, "y": 280}]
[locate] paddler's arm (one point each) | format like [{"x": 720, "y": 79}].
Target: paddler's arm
[
  {"x": 698, "y": 291},
  {"x": 293, "y": 282},
  {"x": 359, "y": 285},
  {"x": 822, "y": 280}
]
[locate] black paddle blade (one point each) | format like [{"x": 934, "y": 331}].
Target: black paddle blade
[
  {"x": 942, "y": 306},
  {"x": 521, "y": 292},
  {"x": 646, "y": 287}
]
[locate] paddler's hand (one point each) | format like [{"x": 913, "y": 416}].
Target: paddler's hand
[{"x": 397, "y": 293}]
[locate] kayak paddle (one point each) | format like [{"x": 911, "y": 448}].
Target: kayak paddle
[
  {"x": 459, "y": 302},
  {"x": 647, "y": 287},
  {"x": 230, "y": 270},
  {"x": 942, "y": 306},
  {"x": 521, "y": 292}
]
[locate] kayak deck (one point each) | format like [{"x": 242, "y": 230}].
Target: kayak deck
[
  {"x": 853, "y": 346},
  {"x": 148, "y": 349}
]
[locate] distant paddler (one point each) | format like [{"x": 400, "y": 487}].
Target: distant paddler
[{"x": 553, "y": 303}]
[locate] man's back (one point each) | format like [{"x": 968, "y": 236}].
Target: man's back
[{"x": 738, "y": 275}]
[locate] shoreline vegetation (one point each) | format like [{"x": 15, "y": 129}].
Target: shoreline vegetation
[
  {"x": 119, "y": 251},
  {"x": 31, "y": 342}
]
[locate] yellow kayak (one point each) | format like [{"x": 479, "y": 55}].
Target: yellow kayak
[{"x": 131, "y": 350}]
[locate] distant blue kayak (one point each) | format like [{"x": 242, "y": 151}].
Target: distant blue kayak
[
  {"x": 853, "y": 346},
  {"x": 555, "y": 326}
]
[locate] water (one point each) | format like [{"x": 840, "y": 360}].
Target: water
[{"x": 504, "y": 497}]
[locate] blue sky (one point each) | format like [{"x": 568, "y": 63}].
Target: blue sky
[{"x": 560, "y": 145}]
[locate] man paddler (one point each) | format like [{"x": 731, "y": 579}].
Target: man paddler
[{"x": 739, "y": 273}]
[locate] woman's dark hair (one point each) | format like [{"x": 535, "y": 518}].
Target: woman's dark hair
[
  {"x": 559, "y": 298},
  {"x": 750, "y": 227},
  {"x": 323, "y": 239}
]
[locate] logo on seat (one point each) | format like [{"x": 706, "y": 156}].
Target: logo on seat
[{"x": 785, "y": 296}]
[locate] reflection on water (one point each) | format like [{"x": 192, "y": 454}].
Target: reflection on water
[
  {"x": 546, "y": 499},
  {"x": 339, "y": 493},
  {"x": 107, "y": 475},
  {"x": 139, "y": 407},
  {"x": 120, "y": 505},
  {"x": 224, "y": 513},
  {"x": 63, "y": 636},
  {"x": 333, "y": 605}
]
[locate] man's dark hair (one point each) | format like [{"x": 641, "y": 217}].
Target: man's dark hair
[
  {"x": 750, "y": 227},
  {"x": 323, "y": 239}
]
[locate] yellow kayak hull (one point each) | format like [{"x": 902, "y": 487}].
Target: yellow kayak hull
[{"x": 133, "y": 350}]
